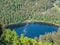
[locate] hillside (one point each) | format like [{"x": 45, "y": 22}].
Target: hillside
[{"x": 12, "y": 11}]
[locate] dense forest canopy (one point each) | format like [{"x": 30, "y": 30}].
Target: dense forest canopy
[{"x": 13, "y": 11}]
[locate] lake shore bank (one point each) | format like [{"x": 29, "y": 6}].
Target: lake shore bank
[{"x": 31, "y": 21}]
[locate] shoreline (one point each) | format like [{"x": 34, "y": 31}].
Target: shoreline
[{"x": 30, "y": 21}]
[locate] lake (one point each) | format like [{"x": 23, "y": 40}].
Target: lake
[{"x": 34, "y": 29}]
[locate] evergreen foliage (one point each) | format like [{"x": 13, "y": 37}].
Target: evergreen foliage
[{"x": 20, "y": 10}]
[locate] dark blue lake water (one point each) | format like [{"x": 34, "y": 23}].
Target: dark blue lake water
[{"x": 34, "y": 30}]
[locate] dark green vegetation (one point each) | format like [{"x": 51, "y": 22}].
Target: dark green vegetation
[
  {"x": 13, "y": 11},
  {"x": 2, "y": 27}
]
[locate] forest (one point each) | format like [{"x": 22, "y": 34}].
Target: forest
[{"x": 13, "y": 11}]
